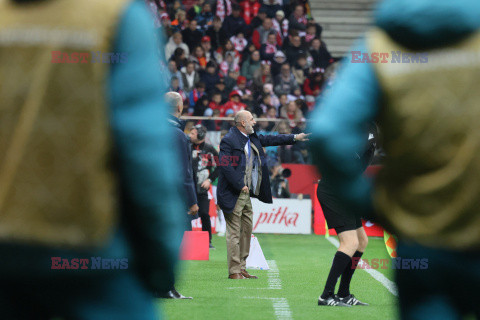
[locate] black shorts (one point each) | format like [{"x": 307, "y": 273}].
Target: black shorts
[{"x": 335, "y": 213}]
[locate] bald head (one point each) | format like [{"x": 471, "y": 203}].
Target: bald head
[
  {"x": 241, "y": 116},
  {"x": 175, "y": 102},
  {"x": 244, "y": 121}
]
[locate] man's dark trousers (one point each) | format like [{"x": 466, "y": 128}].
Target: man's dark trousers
[{"x": 203, "y": 213}]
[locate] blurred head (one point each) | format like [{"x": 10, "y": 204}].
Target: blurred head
[
  {"x": 217, "y": 22},
  {"x": 236, "y": 11},
  {"x": 302, "y": 61},
  {"x": 272, "y": 38},
  {"x": 201, "y": 87},
  {"x": 298, "y": 11},
  {"x": 198, "y": 134},
  {"x": 220, "y": 85},
  {"x": 280, "y": 57},
  {"x": 177, "y": 38},
  {"x": 211, "y": 68},
  {"x": 206, "y": 7},
  {"x": 255, "y": 55},
  {"x": 283, "y": 128},
  {"x": 245, "y": 122},
  {"x": 179, "y": 53},
  {"x": 267, "y": 99},
  {"x": 267, "y": 24},
  {"x": 174, "y": 83},
  {"x": 272, "y": 112},
  {"x": 291, "y": 107},
  {"x": 279, "y": 15},
  {"x": 300, "y": 103},
  {"x": 217, "y": 98},
  {"x": 266, "y": 69},
  {"x": 229, "y": 46},
  {"x": 233, "y": 74},
  {"x": 311, "y": 29},
  {"x": 206, "y": 43},
  {"x": 175, "y": 101},
  {"x": 262, "y": 14},
  {"x": 172, "y": 66},
  {"x": 199, "y": 52},
  {"x": 296, "y": 41},
  {"x": 190, "y": 67},
  {"x": 283, "y": 99},
  {"x": 267, "y": 88},
  {"x": 181, "y": 15},
  {"x": 193, "y": 25},
  {"x": 316, "y": 44},
  {"x": 285, "y": 69}
]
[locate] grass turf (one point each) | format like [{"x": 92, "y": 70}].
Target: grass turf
[{"x": 303, "y": 262}]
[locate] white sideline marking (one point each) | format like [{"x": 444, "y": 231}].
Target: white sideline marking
[
  {"x": 280, "y": 307},
  {"x": 273, "y": 274},
  {"x": 235, "y": 288},
  {"x": 390, "y": 285}
]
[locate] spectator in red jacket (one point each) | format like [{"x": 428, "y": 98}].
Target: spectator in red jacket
[
  {"x": 313, "y": 84},
  {"x": 234, "y": 104},
  {"x": 260, "y": 34},
  {"x": 215, "y": 103}
]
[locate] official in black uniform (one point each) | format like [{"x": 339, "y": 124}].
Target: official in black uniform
[{"x": 352, "y": 237}]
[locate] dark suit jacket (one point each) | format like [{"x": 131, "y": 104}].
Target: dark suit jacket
[
  {"x": 185, "y": 156},
  {"x": 232, "y": 166}
]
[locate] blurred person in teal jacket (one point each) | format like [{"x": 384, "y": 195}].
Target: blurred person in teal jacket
[
  {"x": 90, "y": 203},
  {"x": 416, "y": 72}
]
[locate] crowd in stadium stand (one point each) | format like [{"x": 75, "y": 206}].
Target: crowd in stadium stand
[{"x": 265, "y": 57}]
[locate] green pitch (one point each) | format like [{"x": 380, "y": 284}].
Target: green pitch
[{"x": 303, "y": 263}]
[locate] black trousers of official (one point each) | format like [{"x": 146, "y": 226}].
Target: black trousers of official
[{"x": 203, "y": 213}]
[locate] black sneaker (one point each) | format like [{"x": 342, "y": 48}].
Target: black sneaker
[
  {"x": 211, "y": 247},
  {"x": 352, "y": 301},
  {"x": 331, "y": 301},
  {"x": 174, "y": 294}
]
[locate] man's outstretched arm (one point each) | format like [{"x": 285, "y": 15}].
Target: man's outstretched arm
[{"x": 282, "y": 139}]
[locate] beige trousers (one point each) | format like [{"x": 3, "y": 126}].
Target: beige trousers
[{"x": 239, "y": 232}]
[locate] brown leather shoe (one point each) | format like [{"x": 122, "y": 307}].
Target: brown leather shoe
[
  {"x": 247, "y": 275},
  {"x": 236, "y": 276}
]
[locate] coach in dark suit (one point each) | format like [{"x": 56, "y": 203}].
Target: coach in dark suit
[
  {"x": 244, "y": 174},
  {"x": 175, "y": 102}
]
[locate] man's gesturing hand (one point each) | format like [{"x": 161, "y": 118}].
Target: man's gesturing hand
[
  {"x": 245, "y": 189},
  {"x": 302, "y": 136},
  {"x": 193, "y": 210}
]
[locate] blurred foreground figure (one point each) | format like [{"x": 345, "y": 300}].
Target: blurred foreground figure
[
  {"x": 88, "y": 177},
  {"x": 427, "y": 104}
]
